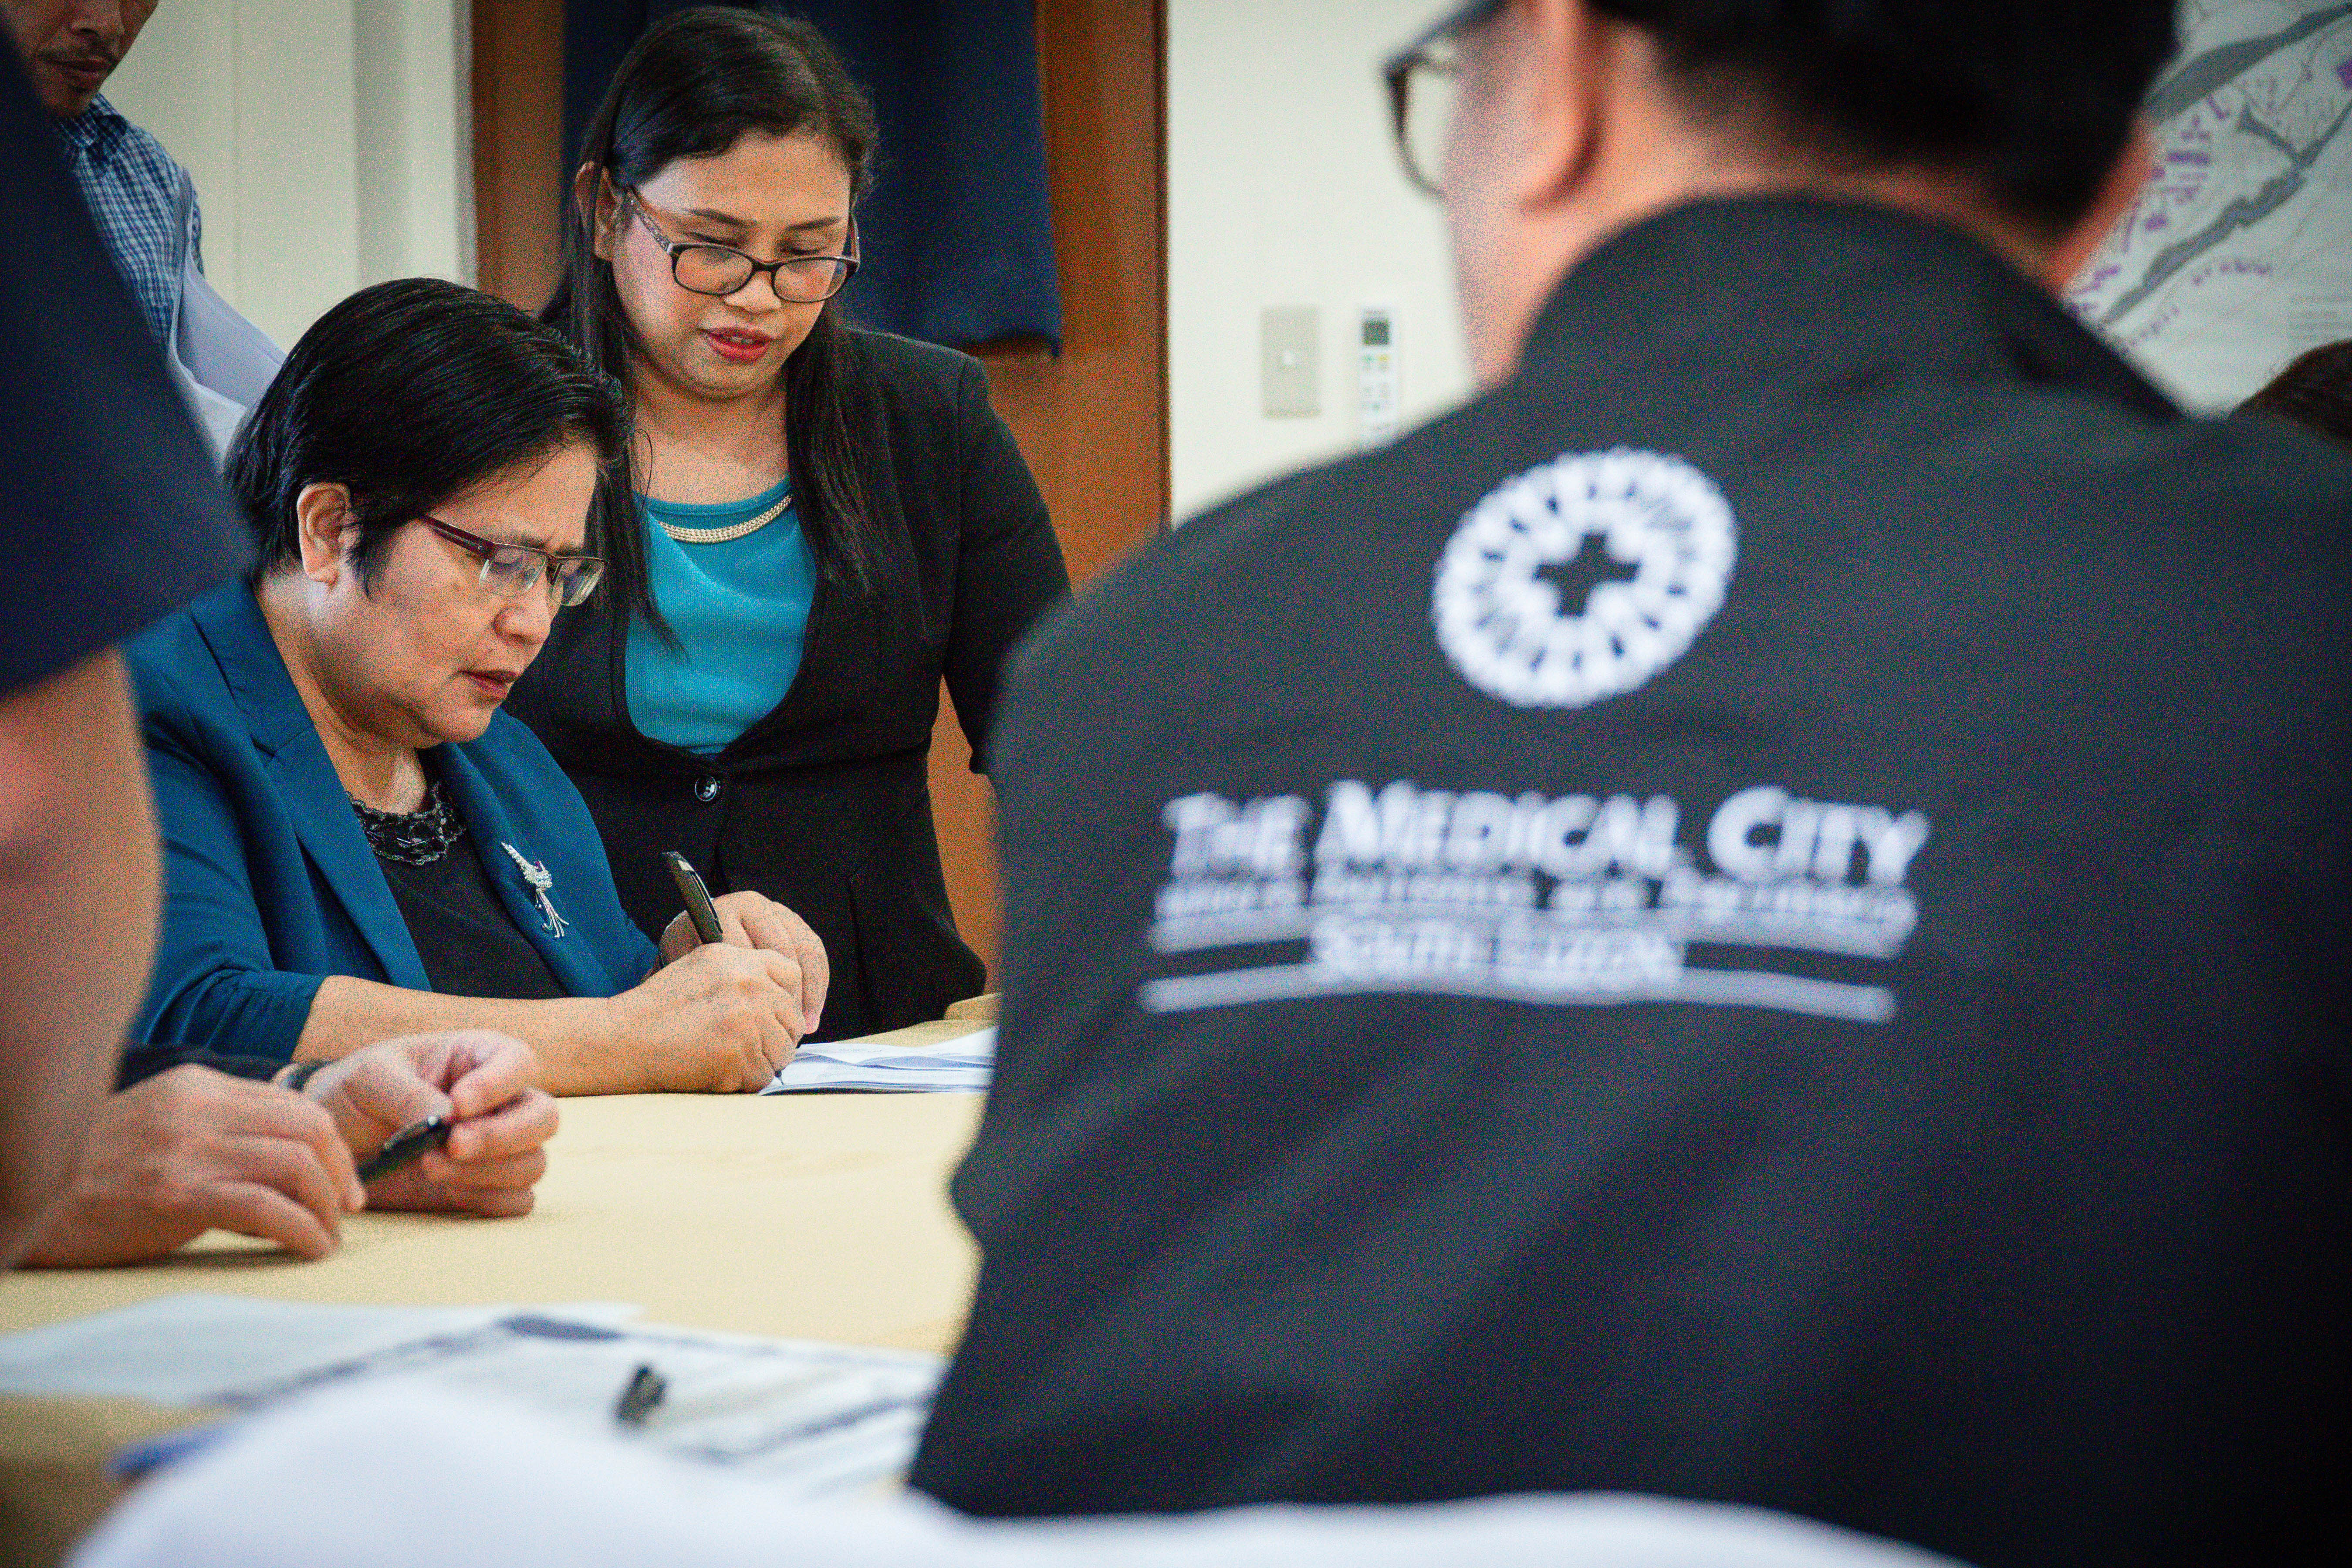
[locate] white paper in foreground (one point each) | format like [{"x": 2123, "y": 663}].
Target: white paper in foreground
[
  {"x": 965, "y": 1063},
  {"x": 814, "y": 1419},
  {"x": 373, "y": 1478}
]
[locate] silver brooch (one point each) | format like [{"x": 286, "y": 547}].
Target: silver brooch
[{"x": 541, "y": 881}]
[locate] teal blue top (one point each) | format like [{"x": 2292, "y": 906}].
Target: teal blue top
[{"x": 740, "y": 611}]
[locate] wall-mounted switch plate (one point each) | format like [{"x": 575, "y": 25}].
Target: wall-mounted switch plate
[
  {"x": 1290, "y": 339},
  {"x": 1378, "y": 410}
]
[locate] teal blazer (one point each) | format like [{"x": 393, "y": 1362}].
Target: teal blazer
[{"x": 270, "y": 884}]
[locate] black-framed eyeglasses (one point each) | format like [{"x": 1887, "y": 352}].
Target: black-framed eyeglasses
[
  {"x": 1422, "y": 79},
  {"x": 720, "y": 271},
  {"x": 513, "y": 570}
]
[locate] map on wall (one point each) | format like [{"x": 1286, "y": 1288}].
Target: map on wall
[{"x": 2239, "y": 254}]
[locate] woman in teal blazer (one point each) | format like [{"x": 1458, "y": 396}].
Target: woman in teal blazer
[
  {"x": 358, "y": 843},
  {"x": 274, "y": 885}
]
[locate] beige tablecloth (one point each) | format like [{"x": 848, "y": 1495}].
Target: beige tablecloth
[{"x": 809, "y": 1215}]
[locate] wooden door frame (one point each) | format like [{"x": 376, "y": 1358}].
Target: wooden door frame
[{"x": 518, "y": 152}]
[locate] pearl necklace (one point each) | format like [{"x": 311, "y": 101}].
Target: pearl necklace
[{"x": 732, "y": 531}]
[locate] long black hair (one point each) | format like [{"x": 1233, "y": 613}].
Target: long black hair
[
  {"x": 694, "y": 85},
  {"x": 407, "y": 394}
]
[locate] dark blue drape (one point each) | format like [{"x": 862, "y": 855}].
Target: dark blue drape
[{"x": 957, "y": 233}]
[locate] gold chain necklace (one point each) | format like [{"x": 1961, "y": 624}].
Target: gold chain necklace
[{"x": 732, "y": 531}]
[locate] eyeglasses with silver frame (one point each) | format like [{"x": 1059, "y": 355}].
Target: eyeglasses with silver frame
[
  {"x": 511, "y": 570},
  {"x": 1422, "y": 79},
  {"x": 719, "y": 271}
]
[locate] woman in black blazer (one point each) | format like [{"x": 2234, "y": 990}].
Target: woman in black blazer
[{"x": 817, "y": 522}]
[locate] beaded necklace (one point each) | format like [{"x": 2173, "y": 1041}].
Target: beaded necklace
[
  {"x": 412, "y": 837},
  {"x": 749, "y": 526}
]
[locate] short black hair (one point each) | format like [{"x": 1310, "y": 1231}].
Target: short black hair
[
  {"x": 407, "y": 394},
  {"x": 2031, "y": 100},
  {"x": 2315, "y": 392}
]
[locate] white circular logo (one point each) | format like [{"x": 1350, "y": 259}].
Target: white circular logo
[{"x": 1504, "y": 626}]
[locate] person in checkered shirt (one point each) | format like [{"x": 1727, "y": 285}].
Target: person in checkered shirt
[
  {"x": 144, "y": 205},
  {"x": 131, "y": 185}
]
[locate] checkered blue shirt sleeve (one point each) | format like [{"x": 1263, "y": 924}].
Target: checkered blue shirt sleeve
[{"x": 133, "y": 188}]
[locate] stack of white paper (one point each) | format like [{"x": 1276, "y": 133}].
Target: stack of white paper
[{"x": 963, "y": 1064}]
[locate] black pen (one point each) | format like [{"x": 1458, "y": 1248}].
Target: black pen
[
  {"x": 406, "y": 1145},
  {"x": 639, "y": 1396},
  {"x": 698, "y": 908}
]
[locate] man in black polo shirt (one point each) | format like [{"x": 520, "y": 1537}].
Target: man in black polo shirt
[
  {"x": 1755, "y": 915},
  {"x": 109, "y": 517}
]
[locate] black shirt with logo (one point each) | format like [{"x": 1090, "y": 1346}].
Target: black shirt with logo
[{"x": 1755, "y": 915}]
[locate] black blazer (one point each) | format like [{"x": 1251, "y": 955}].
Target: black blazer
[{"x": 824, "y": 804}]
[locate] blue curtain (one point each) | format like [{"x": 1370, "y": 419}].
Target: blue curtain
[{"x": 957, "y": 233}]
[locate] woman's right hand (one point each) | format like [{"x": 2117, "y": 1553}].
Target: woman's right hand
[{"x": 722, "y": 1019}]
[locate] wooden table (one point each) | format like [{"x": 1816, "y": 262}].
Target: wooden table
[{"x": 807, "y": 1215}]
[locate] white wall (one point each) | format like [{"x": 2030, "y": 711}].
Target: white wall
[
  {"x": 1283, "y": 190},
  {"x": 328, "y": 139}
]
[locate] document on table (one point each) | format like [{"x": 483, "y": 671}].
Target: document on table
[
  {"x": 816, "y": 1419},
  {"x": 216, "y": 1349},
  {"x": 964, "y": 1063}
]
